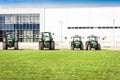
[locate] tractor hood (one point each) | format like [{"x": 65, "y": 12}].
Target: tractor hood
[
  {"x": 10, "y": 40},
  {"x": 77, "y": 43},
  {"x": 46, "y": 39},
  {"x": 94, "y": 43}
]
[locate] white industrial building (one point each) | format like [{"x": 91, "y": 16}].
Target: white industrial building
[{"x": 103, "y": 22}]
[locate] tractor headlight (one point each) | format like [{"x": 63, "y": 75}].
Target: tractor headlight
[
  {"x": 4, "y": 40},
  {"x": 16, "y": 39}
]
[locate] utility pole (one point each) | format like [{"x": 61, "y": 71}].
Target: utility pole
[
  {"x": 44, "y": 19},
  {"x": 61, "y": 31},
  {"x": 114, "y": 32}
]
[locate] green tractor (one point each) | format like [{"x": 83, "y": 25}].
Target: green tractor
[
  {"x": 92, "y": 43},
  {"x": 46, "y": 41},
  {"x": 10, "y": 41},
  {"x": 77, "y": 43}
]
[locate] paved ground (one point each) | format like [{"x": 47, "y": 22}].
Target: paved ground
[
  {"x": 25, "y": 46},
  {"x": 114, "y": 48},
  {"x": 35, "y": 46}
]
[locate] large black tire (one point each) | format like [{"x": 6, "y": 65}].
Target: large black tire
[
  {"x": 52, "y": 45},
  {"x": 89, "y": 47},
  {"x": 41, "y": 45},
  {"x": 81, "y": 47},
  {"x": 99, "y": 47},
  {"x": 86, "y": 45},
  {"x": 16, "y": 45},
  {"x": 72, "y": 46},
  {"x": 4, "y": 46}
]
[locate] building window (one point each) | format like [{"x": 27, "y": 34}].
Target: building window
[
  {"x": 104, "y": 27},
  {"x": 24, "y": 25}
]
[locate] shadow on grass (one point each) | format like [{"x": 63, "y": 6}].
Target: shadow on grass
[{"x": 49, "y": 50}]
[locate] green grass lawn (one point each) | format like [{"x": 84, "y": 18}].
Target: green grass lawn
[{"x": 59, "y": 65}]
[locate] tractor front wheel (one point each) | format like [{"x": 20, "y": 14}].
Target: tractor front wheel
[
  {"x": 16, "y": 46},
  {"x": 41, "y": 46},
  {"x": 4, "y": 46}
]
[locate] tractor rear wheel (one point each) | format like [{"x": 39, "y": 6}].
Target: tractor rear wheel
[
  {"x": 16, "y": 45},
  {"x": 72, "y": 46},
  {"x": 99, "y": 47},
  {"x": 4, "y": 46},
  {"x": 89, "y": 47},
  {"x": 81, "y": 47},
  {"x": 86, "y": 45},
  {"x": 52, "y": 46},
  {"x": 41, "y": 45}
]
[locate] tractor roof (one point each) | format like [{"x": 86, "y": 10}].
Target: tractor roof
[
  {"x": 45, "y": 32},
  {"x": 76, "y": 36},
  {"x": 92, "y": 36}
]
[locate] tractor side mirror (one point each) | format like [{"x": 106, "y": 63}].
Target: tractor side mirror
[
  {"x": 65, "y": 38},
  {"x": 104, "y": 38},
  {"x": 40, "y": 38},
  {"x": 53, "y": 33},
  {"x": 51, "y": 38}
]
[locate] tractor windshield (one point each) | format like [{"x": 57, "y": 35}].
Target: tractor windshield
[
  {"x": 93, "y": 39},
  {"x": 76, "y": 39},
  {"x": 10, "y": 36},
  {"x": 46, "y": 34}
]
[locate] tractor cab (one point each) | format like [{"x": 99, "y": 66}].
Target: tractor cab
[
  {"x": 10, "y": 36},
  {"x": 92, "y": 38},
  {"x": 76, "y": 38},
  {"x": 9, "y": 41},
  {"x": 46, "y": 41},
  {"x": 46, "y": 36},
  {"x": 76, "y": 42},
  {"x": 92, "y": 43}
]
